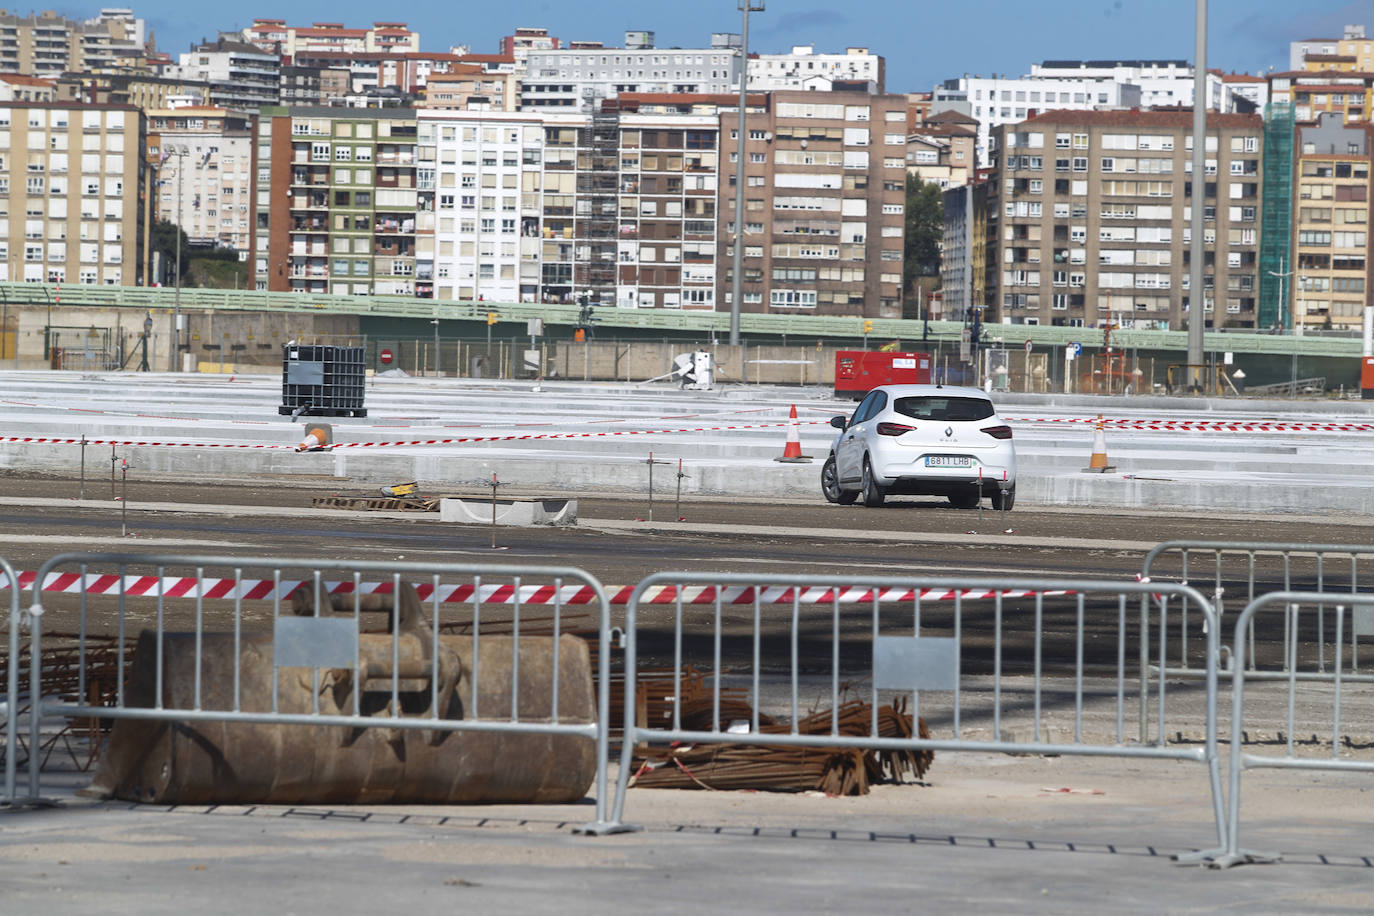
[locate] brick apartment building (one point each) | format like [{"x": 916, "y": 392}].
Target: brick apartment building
[
  {"x": 824, "y": 201},
  {"x": 1090, "y": 213},
  {"x": 1329, "y": 285}
]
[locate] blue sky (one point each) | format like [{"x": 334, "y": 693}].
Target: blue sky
[{"x": 924, "y": 42}]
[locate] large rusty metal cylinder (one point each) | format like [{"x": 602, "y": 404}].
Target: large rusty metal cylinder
[{"x": 192, "y": 762}]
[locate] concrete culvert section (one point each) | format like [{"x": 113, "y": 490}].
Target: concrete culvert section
[{"x": 318, "y": 712}]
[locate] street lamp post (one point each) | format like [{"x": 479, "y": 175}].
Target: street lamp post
[
  {"x": 176, "y": 322},
  {"x": 1197, "y": 297},
  {"x": 147, "y": 332},
  {"x": 736, "y": 288}
]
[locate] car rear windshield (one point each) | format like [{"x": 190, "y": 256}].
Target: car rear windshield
[{"x": 937, "y": 408}]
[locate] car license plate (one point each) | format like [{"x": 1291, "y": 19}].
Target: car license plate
[{"x": 949, "y": 461}]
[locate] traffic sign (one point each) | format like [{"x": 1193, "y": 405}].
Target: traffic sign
[
  {"x": 1028, "y": 346},
  {"x": 1076, "y": 348},
  {"x": 385, "y": 357}
]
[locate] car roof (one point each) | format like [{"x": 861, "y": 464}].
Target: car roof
[{"x": 949, "y": 391}]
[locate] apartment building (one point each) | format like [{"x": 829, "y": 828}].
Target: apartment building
[
  {"x": 275, "y": 36},
  {"x": 998, "y": 101},
  {"x": 966, "y": 271},
  {"x": 47, "y": 45},
  {"x": 1312, "y": 92},
  {"x": 526, "y": 39},
  {"x": 1163, "y": 83},
  {"x": 142, "y": 90},
  {"x": 943, "y": 151},
  {"x": 74, "y": 193},
  {"x": 549, "y": 207},
  {"x": 1353, "y": 45},
  {"x": 824, "y": 201},
  {"x": 240, "y": 75},
  {"x": 469, "y": 86},
  {"x": 804, "y": 69},
  {"x": 204, "y": 162},
  {"x": 17, "y": 88},
  {"x": 1329, "y": 284},
  {"x": 579, "y": 77},
  {"x": 1080, "y": 85},
  {"x": 1090, "y": 217},
  {"x": 337, "y": 201}
]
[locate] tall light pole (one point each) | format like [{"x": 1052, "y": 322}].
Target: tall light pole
[
  {"x": 736, "y": 289},
  {"x": 1197, "y": 295},
  {"x": 180, "y": 153}
]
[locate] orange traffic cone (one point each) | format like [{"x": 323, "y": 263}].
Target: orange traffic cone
[
  {"x": 318, "y": 437},
  {"x": 1098, "y": 463},
  {"x": 792, "y": 452}
]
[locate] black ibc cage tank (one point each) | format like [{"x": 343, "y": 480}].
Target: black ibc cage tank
[{"x": 322, "y": 381}]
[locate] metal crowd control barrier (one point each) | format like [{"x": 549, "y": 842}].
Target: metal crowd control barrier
[
  {"x": 244, "y": 596},
  {"x": 11, "y": 704},
  {"x": 1257, "y": 568},
  {"x": 1294, "y": 657},
  {"x": 971, "y": 654}
]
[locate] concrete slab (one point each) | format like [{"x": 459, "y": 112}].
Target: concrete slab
[
  {"x": 519, "y": 511},
  {"x": 452, "y": 434}
]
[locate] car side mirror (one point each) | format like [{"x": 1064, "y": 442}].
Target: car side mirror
[{"x": 837, "y": 422}]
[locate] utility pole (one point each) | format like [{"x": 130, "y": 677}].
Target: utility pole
[{"x": 736, "y": 289}]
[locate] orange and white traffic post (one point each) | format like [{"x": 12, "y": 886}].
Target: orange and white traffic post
[{"x": 791, "y": 452}]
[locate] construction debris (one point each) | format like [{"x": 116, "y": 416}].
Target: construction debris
[
  {"x": 378, "y": 503},
  {"x": 835, "y": 771}
]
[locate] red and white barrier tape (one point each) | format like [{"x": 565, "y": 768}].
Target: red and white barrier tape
[
  {"x": 457, "y": 440},
  {"x": 1227, "y": 426},
  {"x": 267, "y": 590},
  {"x": 1213, "y": 426}
]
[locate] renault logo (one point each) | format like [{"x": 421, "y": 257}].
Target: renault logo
[{"x": 949, "y": 431}]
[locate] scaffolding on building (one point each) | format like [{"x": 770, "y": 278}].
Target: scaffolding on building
[
  {"x": 598, "y": 205},
  {"x": 1276, "y": 220}
]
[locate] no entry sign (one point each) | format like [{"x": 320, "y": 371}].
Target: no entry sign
[{"x": 384, "y": 356}]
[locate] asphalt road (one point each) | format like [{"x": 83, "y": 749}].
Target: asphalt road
[{"x": 913, "y": 537}]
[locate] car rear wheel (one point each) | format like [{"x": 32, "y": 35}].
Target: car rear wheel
[
  {"x": 871, "y": 491},
  {"x": 1003, "y": 500},
  {"x": 965, "y": 499},
  {"x": 830, "y": 485}
]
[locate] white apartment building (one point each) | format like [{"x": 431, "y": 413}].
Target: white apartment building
[
  {"x": 1163, "y": 83},
  {"x": 477, "y": 232},
  {"x": 1071, "y": 85},
  {"x": 804, "y": 69},
  {"x": 565, "y": 79},
  {"x": 204, "y": 162},
  {"x": 997, "y": 101},
  {"x": 531, "y": 207}
]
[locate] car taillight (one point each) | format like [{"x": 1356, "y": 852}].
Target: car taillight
[
  {"x": 998, "y": 432},
  {"x": 893, "y": 429}
]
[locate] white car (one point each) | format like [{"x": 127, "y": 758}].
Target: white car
[{"x": 922, "y": 440}]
